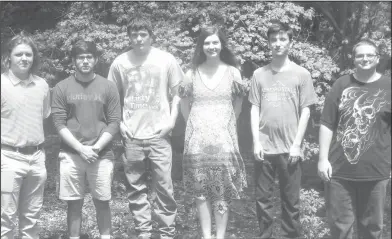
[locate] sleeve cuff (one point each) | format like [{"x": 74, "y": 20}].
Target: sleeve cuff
[
  {"x": 238, "y": 89},
  {"x": 254, "y": 103},
  {"x": 60, "y": 127},
  {"x": 326, "y": 124},
  {"x": 185, "y": 90},
  {"x": 113, "y": 130},
  {"x": 309, "y": 104}
]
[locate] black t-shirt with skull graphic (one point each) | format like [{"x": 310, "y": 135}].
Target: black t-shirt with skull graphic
[{"x": 359, "y": 114}]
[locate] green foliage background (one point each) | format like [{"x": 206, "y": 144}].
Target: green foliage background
[{"x": 324, "y": 35}]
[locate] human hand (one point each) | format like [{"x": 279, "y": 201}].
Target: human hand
[
  {"x": 125, "y": 133},
  {"x": 324, "y": 170},
  {"x": 258, "y": 152},
  {"x": 87, "y": 153},
  {"x": 96, "y": 149},
  {"x": 295, "y": 154}
]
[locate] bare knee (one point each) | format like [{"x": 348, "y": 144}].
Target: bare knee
[
  {"x": 75, "y": 205},
  {"x": 101, "y": 205}
]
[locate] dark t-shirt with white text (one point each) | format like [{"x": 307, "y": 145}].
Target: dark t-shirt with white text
[{"x": 86, "y": 109}]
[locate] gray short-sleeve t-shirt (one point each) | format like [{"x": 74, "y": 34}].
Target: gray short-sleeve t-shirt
[{"x": 281, "y": 96}]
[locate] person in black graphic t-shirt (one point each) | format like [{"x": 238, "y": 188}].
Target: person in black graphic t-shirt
[{"x": 355, "y": 147}]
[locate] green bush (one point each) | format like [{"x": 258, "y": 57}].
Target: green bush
[{"x": 313, "y": 226}]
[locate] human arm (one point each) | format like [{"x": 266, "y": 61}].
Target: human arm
[
  {"x": 86, "y": 152},
  {"x": 258, "y": 151},
  {"x": 185, "y": 92},
  {"x": 173, "y": 113},
  {"x": 329, "y": 122},
  {"x": 238, "y": 92},
  {"x": 185, "y": 108},
  {"x": 324, "y": 168},
  {"x": 59, "y": 109},
  {"x": 175, "y": 77},
  {"x": 115, "y": 76},
  {"x": 103, "y": 140},
  {"x": 237, "y": 106},
  {"x": 254, "y": 99},
  {"x": 295, "y": 149},
  {"x": 47, "y": 102},
  {"x": 46, "y": 109},
  {"x": 307, "y": 98},
  {"x": 113, "y": 116}
]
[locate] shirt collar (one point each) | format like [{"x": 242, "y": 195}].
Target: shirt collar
[{"x": 15, "y": 80}]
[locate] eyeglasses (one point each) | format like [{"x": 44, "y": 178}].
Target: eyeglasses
[
  {"x": 85, "y": 57},
  {"x": 135, "y": 35},
  {"x": 368, "y": 56}
]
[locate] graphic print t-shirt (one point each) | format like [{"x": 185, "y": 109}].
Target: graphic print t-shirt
[
  {"x": 281, "y": 96},
  {"x": 144, "y": 89},
  {"x": 360, "y": 116}
]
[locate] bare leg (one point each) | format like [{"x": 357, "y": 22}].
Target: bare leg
[
  {"x": 74, "y": 217},
  {"x": 204, "y": 213},
  {"x": 103, "y": 216},
  {"x": 221, "y": 223}
]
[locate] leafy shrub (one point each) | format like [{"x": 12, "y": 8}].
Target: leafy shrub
[{"x": 313, "y": 226}]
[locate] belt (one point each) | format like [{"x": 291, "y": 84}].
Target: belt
[{"x": 23, "y": 150}]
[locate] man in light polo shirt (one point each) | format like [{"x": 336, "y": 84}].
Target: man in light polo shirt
[{"x": 25, "y": 102}]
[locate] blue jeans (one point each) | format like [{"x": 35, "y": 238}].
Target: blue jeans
[
  {"x": 289, "y": 184},
  {"x": 350, "y": 201},
  {"x": 159, "y": 153}
]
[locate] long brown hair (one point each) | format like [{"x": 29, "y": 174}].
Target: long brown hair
[{"x": 226, "y": 55}]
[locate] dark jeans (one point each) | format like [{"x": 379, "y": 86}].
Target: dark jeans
[
  {"x": 350, "y": 201},
  {"x": 159, "y": 152},
  {"x": 289, "y": 184}
]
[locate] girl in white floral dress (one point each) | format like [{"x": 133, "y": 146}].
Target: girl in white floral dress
[{"x": 214, "y": 172}]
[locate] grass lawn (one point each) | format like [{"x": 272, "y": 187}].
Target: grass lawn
[{"x": 242, "y": 225}]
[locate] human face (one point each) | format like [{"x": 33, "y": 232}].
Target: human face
[
  {"x": 141, "y": 41},
  {"x": 365, "y": 57},
  {"x": 280, "y": 43},
  {"x": 212, "y": 46},
  {"x": 85, "y": 63},
  {"x": 21, "y": 59}
]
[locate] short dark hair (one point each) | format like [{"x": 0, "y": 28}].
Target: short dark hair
[
  {"x": 83, "y": 47},
  {"x": 226, "y": 55},
  {"x": 140, "y": 23},
  {"x": 277, "y": 27},
  {"x": 21, "y": 38},
  {"x": 365, "y": 41}
]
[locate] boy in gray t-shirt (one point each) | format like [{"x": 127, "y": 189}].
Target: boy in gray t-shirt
[
  {"x": 281, "y": 93},
  {"x": 86, "y": 113},
  {"x": 143, "y": 76}
]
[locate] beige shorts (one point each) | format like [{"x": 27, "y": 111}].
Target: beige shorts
[{"x": 75, "y": 172}]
